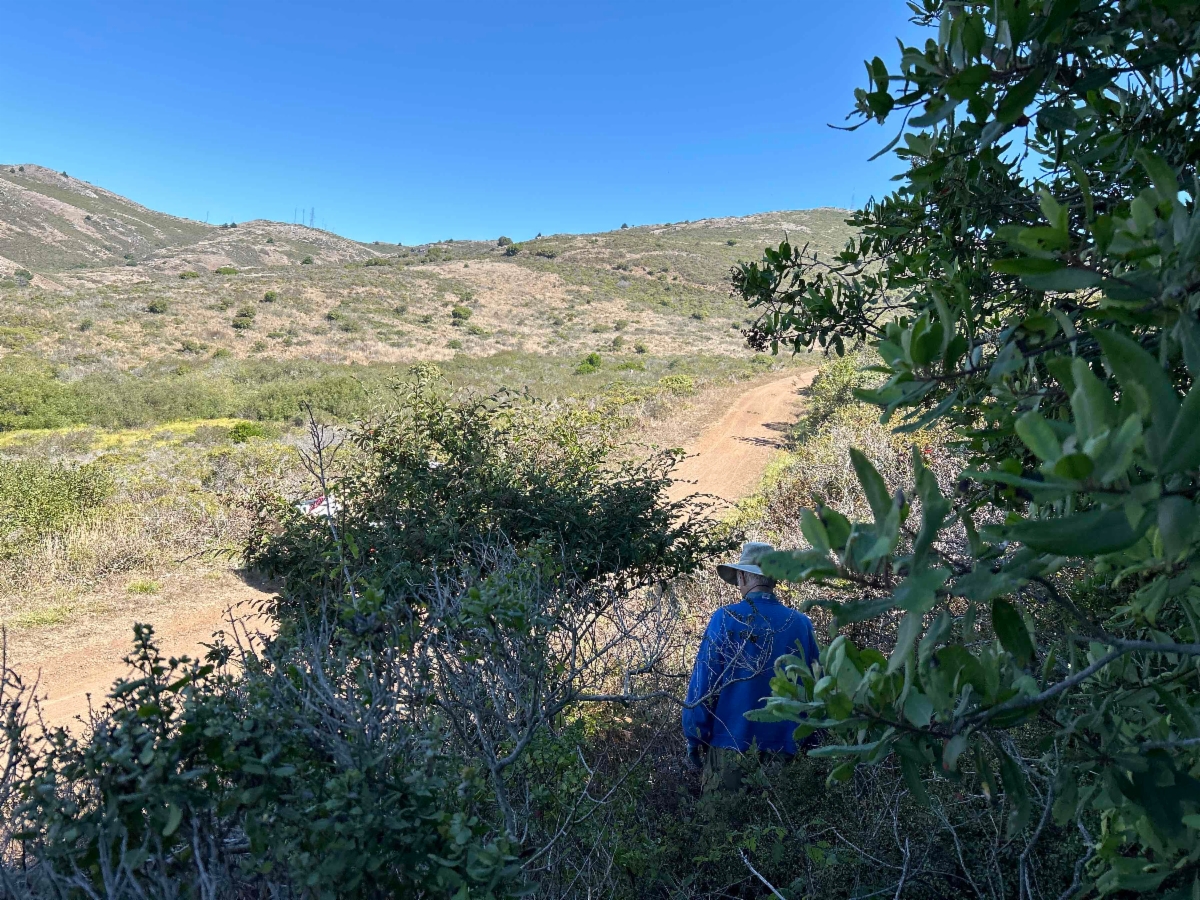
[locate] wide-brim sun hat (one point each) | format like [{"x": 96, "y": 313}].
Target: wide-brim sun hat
[{"x": 752, "y": 554}]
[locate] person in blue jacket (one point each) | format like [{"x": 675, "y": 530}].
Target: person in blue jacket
[{"x": 733, "y": 671}]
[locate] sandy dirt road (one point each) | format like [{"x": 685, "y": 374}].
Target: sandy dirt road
[{"x": 726, "y": 459}]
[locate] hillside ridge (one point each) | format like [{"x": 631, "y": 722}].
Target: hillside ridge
[{"x": 91, "y": 280}]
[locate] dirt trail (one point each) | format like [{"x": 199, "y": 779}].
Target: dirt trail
[
  {"x": 730, "y": 455},
  {"x": 726, "y": 459},
  {"x": 192, "y": 610}
]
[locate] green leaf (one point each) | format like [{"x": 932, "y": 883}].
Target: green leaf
[
  {"x": 1010, "y": 629},
  {"x": 1020, "y": 95},
  {"x": 1065, "y": 279},
  {"x": 798, "y": 565},
  {"x": 911, "y": 771},
  {"x": 952, "y": 750},
  {"x": 1140, "y": 375},
  {"x": 1187, "y": 331},
  {"x": 174, "y": 817},
  {"x": 918, "y": 592},
  {"x": 1181, "y": 715},
  {"x": 1177, "y": 519},
  {"x": 1076, "y": 466},
  {"x": 1166, "y": 183},
  {"x": 1017, "y": 790},
  {"x": 1091, "y": 533},
  {"x": 1035, "y": 432},
  {"x": 1115, "y": 461},
  {"x": 1182, "y": 451},
  {"x": 1091, "y": 402},
  {"x": 814, "y": 531},
  {"x": 906, "y": 635},
  {"x": 837, "y": 527},
  {"x": 937, "y": 633},
  {"x": 966, "y": 83},
  {"x": 934, "y": 509},
  {"x": 1027, "y": 265},
  {"x": 918, "y": 709},
  {"x": 873, "y": 486}
]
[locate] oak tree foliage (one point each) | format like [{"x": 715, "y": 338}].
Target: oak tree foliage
[{"x": 1032, "y": 285}]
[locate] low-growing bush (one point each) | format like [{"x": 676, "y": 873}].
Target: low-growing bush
[
  {"x": 225, "y": 270},
  {"x": 244, "y": 318},
  {"x": 37, "y": 497},
  {"x": 460, "y": 314},
  {"x": 307, "y": 261},
  {"x": 244, "y": 431},
  {"x": 679, "y": 385},
  {"x": 512, "y": 249},
  {"x": 158, "y": 306},
  {"x": 184, "y": 276},
  {"x": 270, "y": 297},
  {"x": 590, "y": 363}
]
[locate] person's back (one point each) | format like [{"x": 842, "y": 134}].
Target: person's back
[{"x": 733, "y": 672}]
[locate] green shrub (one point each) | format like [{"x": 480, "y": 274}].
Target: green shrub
[
  {"x": 226, "y": 270},
  {"x": 617, "y": 343},
  {"x": 86, "y": 324},
  {"x": 191, "y": 758},
  {"x": 679, "y": 385},
  {"x": 503, "y": 466},
  {"x": 1035, "y": 632},
  {"x": 244, "y": 318},
  {"x": 158, "y": 306},
  {"x": 307, "y": 261},
  {"x": 454, "y": 344},
  {"x": 270, "y": 297},
  {"x": 460, "y": 314},
  {"x": 377, "y": 261},
  {"x": 504, "y": 241},
  {"x": 38, "y": 497},
  {"x": 512, "y": 249},
  {"x": 244, "y": 431},
  {"x": 640, "y": 347},
  {"x": 184, "y": 276},
  {"x": 591, "y": 363},
  {"x": 23, "y": 275},
  {"x": 731, "y": 242}
]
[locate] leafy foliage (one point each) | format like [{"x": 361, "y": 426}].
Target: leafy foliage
[
  {"x": 37, "y": 497},
  {"x": 1033, "y": 284},
  {"x": 437, "y": 475}
]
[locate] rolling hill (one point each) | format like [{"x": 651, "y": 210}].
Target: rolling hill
[{"x": 90, "y": 279}]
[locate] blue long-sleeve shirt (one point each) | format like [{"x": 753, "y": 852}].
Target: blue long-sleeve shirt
[{"x": 733, "y": 673}]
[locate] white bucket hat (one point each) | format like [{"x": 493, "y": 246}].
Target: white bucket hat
[{"x": 752, "y": 554}]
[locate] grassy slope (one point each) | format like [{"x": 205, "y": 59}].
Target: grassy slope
[{"x": 662, "y": 287}]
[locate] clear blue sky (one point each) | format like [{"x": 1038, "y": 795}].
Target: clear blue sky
[{"x": 415, "y": 122}]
